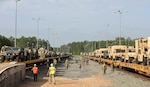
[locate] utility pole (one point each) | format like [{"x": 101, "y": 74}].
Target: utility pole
[{"x": 120, "y": 13}]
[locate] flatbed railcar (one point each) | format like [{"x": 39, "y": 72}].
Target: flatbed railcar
[{"x": 139, "y": 68}]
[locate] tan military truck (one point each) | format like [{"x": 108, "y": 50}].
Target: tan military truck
[
  {"x": 142, "y": 49},
  {"x": 6, "y": 54},
  {"x": 97, "y": 53},
  {"x": 130, "y": 54},
  {"x": 117, "y": 52},
  {"x": 102, "y": 53},
  {"x": 41, "y": 52}
]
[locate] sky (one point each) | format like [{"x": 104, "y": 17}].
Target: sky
[{"x": 66, "y": 21}]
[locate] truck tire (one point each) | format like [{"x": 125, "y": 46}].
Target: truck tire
[
  {"x": 1, "y": 59},
  {"x": 144, "y": 61},
  {"x": 136, "y": 60}
]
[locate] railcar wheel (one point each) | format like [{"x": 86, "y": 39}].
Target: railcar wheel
[
  {"x": 130, "y": 60},
  {"x": 144, "y": 61},
  {"x": 136, "y": 60},
  {"x": 1, "y": 59}
]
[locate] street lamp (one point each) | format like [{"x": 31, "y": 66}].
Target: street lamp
[
  {"x": 120, "y": 12},
  {"x": 48, "y": 41},
  {"x": 16, "y": 24},
  {"x": 107, "y": 36},
  {"x": 38, "y": 19}
]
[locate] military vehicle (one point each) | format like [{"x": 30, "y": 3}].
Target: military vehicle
[
  {"x": 130, "y": 54},
  {"x": 102, "y": 53},
  {"x": 117, "y": 52},
  {"x": 142, "y": 49},
  {"x": 41, "y": 52},
  {"x": 6, "y": 54}
]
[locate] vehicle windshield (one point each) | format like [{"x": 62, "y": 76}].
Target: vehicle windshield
[
  {"x": 7, "y": 49},
  {"x": 16, "y": 49}
]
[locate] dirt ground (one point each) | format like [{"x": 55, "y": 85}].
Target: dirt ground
[
  {"x": 90, "y": 76},
  {"x": 94, "y": 81}
]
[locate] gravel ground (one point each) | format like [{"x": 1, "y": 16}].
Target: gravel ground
[{"x": 90, "y": 76}]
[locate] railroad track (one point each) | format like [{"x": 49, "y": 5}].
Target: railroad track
[{"x": 133, "y": 73}]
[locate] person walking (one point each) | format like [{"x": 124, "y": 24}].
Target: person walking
[
  {"x": 67, "y": 64},
  {"x": 80, "y": 65},
  {"x": 104, "y": 67},
  {"x": 51, "y": 73},
  {"x": 54, "y": 62},
  {"x": 112, "y": 67},
  {"x": 35, "y": 72}
]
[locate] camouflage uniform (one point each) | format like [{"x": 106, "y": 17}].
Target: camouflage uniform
[
  {"x": 112, "y": 67},
  {"x": 80, "y": 65},
  {"x": 66, "y": 64},
  {"x": 54, "y": 62},
  {"x": 104, "y": 67}
]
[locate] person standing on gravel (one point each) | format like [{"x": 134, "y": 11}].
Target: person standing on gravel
[
  {"x": 35, "y": 72},
  {"x": 112, "y": 66},
  {"x": 51, "y": 73},
  {"x": 54, "y": 62},
  {"x": 67, "y": 64},
  {"x": 80, "y": 65},
  {"x": 104, "y": 67}
]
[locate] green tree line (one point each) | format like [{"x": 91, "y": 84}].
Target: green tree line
[
  {"x": 89, "y": 46},
  {"x": 74, "y": 47},
  {"x": 23, "y": 42}
]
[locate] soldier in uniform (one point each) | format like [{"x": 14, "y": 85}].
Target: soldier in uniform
[
  {"x": 54, "y": 62},
  {"x": 112, "y": 66},
  {"x": 67, "y": 64},
  {"x": 87, "y": 61},
  {"x": 104, "y": 67},
  {"x": 80, "y": 65}
]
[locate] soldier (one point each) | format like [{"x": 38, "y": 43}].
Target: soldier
[
  {"x": 87, "y": 61},
  {"x": 104, "y": 67},
  {"x": 80, "y": 65},
  {"x": 47, "y": 62},
  {"x": 112, "y": 66},
  {"x": 66, "y": 64},
  {"x": 54, "y": 62}
]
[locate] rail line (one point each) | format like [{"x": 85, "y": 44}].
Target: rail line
[{"x": 137, "y": 68}]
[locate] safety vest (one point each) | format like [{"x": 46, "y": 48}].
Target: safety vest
[
  {"x": 35, "y": 70},
  {"x": 52, "y": 70}
]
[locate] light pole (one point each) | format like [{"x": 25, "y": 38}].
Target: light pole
[
  {"x": 16, "y": 25},
  {"x": 48, "y": 40},
  {"x": 38, "y": 19},
  {"x": 107, "y": 25},
  {"x": 120, "y": 12}
]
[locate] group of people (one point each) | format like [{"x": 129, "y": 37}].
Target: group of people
[
  {"x": 104, "y": 67},
  {"x": 52, "y": 70}
]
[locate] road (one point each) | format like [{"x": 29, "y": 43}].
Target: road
[{"x": 90, "y": 76}]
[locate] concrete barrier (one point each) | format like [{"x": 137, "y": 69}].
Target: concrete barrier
[{"x": 11, "y": 74}]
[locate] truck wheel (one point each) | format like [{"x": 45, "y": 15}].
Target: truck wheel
[
  {"x": 1, "y": 59},
  {"x": 129, "y": 60},
  {"x": 136, "y": 60},
  {"x": 144, "y": 61}
]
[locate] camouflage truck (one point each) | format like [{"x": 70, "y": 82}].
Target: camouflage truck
[
  {"x": 41, "y": 52},
  {"x": 130, "y": 54},
  {"x": 117, "y": 52},
  {"x": 142, "y": 49},
  {"x": 6, "y": 54}
]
